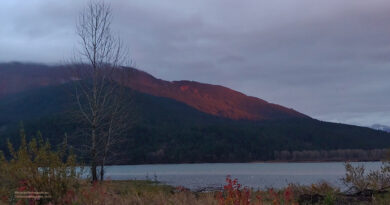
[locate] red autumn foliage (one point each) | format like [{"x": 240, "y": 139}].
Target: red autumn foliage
[
  {"x": 233, "y": 194},
  {"x": 24, "y": 186}
]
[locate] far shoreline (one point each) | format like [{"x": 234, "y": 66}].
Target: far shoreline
[
  {"x": 251, "y": 162},
  {"x": 313, "y": 161}
]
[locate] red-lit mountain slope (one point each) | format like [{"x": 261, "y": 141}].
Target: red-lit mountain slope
[{"x": 211, "y": 99}]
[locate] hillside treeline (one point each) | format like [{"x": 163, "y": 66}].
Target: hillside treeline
[{"x": 332, "y": 155}]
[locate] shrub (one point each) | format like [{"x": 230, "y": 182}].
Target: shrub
[
  {"x": 233, "y": 194},
  {"x": 357, "y": 180},
  {"x": 321, "y": 192},
  {"x": 35, "y": 167}
]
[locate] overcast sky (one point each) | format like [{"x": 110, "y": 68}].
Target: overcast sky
[{"x": 328, "y": 59}]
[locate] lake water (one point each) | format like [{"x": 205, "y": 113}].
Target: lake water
[{"x": 254, "y": 175}]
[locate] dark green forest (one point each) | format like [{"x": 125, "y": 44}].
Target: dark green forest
[{"x": 162, "y": 130}]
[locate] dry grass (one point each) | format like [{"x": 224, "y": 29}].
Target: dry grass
[
  {"x": 152, "y": 193},
  {"x": 137, "y": 193},
  {"x": 147, "y": 192}
]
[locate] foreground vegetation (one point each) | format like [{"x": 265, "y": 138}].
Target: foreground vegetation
[
  {"x": 148, "y": 192},
  {"x": 35, "y": 167}
]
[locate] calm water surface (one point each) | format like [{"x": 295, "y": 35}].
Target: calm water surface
[{"x": 255, "y": 175}]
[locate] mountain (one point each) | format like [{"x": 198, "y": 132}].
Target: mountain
[
  {"x": 212, "y": 99},
  {"x": 170, "y": 129},
  {"x": 164, "y": 130},
  {"x": 17, "y": 77},
  {"x": 381, "y": 127}
]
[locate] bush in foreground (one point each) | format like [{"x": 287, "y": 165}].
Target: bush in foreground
[
  {"x": 34, "y": 167},
  {"x": 358, "y": 179}
]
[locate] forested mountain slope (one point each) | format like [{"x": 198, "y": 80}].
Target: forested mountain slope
[{"x": 164, "y": 130}]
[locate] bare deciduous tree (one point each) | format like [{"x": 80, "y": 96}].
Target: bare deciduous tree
[{"x": 98, "y": 77}]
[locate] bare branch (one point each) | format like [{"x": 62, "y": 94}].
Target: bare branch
[{"x": 99, "y": 78}]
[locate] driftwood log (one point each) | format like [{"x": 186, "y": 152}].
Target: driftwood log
[{"x": 361, "y": 197}]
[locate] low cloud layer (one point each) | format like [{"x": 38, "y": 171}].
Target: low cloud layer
[{"x": 328, "y": 59}]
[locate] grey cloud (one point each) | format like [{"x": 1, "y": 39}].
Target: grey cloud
[
  {"x": 323, "y": 58},
  {"x": 231, "y": 59}
]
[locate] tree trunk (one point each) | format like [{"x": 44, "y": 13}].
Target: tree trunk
[
  {"x": 94, "y": 157},
  {"x": 94, "y": 172},
  {"x": 102, "y": 171}
]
